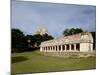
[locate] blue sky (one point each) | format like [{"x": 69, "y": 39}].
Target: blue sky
[{"x": 29, "y": 16}]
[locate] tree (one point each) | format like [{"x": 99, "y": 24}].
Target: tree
[
  {"x": 16, "y": 38},
  {"x": 40, "y": 38},
  {"x": 72, "y": 31},
  {"x": 46, "y": 37},
  {"x": 37, "y": 39},
  {"x": 18, "y": 41}
]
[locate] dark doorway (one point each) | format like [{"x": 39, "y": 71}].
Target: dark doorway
[
  {"x": 49, "y": 48},
  {"x": 67, "y": 46},
  {"x": 63, "y": 47},
  {"x": 72, "y": 47},
  {"x": 78, "y": 47},
  {"x": 56, "y": 48},
  {"x": 59, "y": 47}
]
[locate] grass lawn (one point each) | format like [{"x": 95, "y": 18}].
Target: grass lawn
[{"x": 32, "y": 62}]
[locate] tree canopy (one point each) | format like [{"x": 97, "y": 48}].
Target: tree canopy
[
  {"x": 20, "y": 41},
  {"x": 72, "y": 31},
  {"x": 16, "y": 38}
]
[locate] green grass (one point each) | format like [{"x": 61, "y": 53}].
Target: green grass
[{"x": 32, "y": 62}]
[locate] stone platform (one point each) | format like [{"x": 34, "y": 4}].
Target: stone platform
[{"x": 70, "y": 54}]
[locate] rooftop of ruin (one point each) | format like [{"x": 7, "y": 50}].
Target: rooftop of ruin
[{"x": 76, "y": 38}]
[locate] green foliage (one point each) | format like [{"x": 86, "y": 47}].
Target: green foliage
[
  {"x": 17, "y": 38},
  {"x": 37, "y": 38},
  {"x": 20, "y": 42},
  {"x": 46, "y": 37},
  {"x": 40, "y": 38},
  {"x": 72, "y": 31}
]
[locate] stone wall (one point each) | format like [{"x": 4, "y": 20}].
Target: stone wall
[{"x": 70, "y": 54}]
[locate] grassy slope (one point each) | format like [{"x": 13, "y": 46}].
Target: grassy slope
[{"x": 35, "y": 62}]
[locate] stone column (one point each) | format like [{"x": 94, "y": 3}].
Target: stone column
[
  {"x": 92, "y": 47},
  {"x": 46, "y": 49},
  {"x": 57, "y": 48},
  {"x": 53, "y": 48},
  {"x": 61, "y": 49},
  {"x": 74, "y": 47},
  {"x": 49, "y": 48},
  {"x": 41, "y": 49}
]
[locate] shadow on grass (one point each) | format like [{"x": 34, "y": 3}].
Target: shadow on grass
[
  {"x": 18, "y": 59},
  {"x": 14, "y": 50}
]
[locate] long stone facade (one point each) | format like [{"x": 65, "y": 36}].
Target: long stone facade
[{"x": 81, "y": 42}]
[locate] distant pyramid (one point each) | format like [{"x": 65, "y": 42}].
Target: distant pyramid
[{"x": 42, "y": 31}]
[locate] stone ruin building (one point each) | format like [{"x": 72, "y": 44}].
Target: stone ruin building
[
  {"x": 81, "y": 42},
  {"x": 42, "y": 31}
]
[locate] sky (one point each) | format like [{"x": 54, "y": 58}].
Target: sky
[{"x": 30, "y": 16}]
